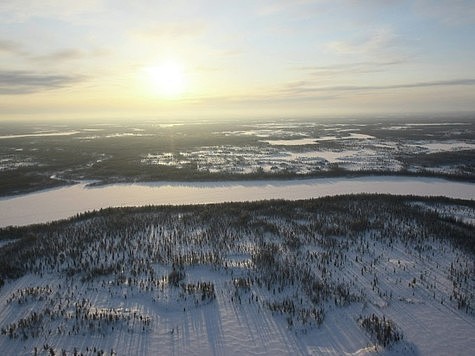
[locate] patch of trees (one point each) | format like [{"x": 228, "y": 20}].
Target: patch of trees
[
  {"x": 294, "y": 313},
  {"x": 202, "y": 291},
  {"x": 176, "y": 276},
  {"x": 76, "y": 318},
  {"x": 23, "y": 295},
  {"x": 382, "y": 330}
]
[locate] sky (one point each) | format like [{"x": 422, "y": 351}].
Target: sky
[{"x": 247, "y": 58}]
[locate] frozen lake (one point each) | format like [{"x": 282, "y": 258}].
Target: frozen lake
[{"x": 59, "y": 203}]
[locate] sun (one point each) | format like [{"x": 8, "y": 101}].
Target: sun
[{"x": 167, "y": 79}]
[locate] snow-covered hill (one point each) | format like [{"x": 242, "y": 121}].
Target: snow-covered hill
[{"x": 343, "y": 275}]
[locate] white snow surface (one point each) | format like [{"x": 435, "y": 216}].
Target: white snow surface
[
  {"x": 59, "y": 203},
  {"x": 432, "y": 325}
]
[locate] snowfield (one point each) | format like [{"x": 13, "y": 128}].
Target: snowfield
[{"x": 347, "y": 275}]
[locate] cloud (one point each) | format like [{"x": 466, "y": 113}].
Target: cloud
[
  {"x": 379, "y": 40},
  {"x": 302, "y": 91},
  {"x": 284, "y": 6},
  {"x": 61, "y": 55},
  {"x": 350, "y": 68},
  {"x": 174, "y": 30},
  {"x": 299, "y": 88},
  {"x": 25, "y": 82},
  {"x": 11, "y": 47},
  {"x": 449, "y": 12},
  {"x": 24, "y": 10}
]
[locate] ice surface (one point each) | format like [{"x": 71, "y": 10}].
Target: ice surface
[
  {"x": 59, "y": 203},
  {"x": 41, "y": 134}
]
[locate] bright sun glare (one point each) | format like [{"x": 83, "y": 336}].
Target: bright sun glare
[{"x": 168, "y": 79}]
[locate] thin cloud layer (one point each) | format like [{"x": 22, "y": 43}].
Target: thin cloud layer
[
  {"x": 305, "y": 87},
  {"x": 25, "y": 10},
  {"x": 8, "y": 46},
  {"x": 449, "y": 12},
  {"x": 23, "y": 82}
]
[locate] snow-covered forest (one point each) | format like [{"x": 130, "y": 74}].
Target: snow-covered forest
[{"x": 347, "y": 274}]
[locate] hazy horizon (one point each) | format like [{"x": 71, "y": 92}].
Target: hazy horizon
[{"x": 422, "y": 117}]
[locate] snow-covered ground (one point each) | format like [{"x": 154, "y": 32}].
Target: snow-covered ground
[
  {"x": 289, "y": 149},
  {"x": 352, "y": 151},
  {"x": 271, "y": 278}
]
